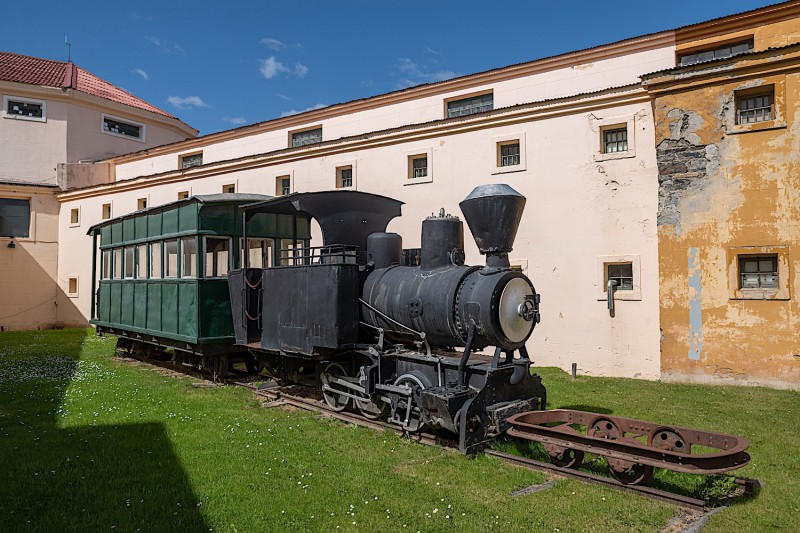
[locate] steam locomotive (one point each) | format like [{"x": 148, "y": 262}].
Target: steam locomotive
[{"x": 348, "y": 316}]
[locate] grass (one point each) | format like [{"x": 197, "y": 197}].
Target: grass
[{"x": 92, "y": 443}]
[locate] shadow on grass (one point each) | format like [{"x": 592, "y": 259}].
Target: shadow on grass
[
  {"x": 589, "y": 408},
  {"x": 125, "y": 477}
]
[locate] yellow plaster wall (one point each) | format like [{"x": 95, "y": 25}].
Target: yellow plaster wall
[{"x": 749, "y": 197}]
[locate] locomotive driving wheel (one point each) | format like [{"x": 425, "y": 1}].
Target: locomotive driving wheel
[
  {"x": 337, "y": 402},
  {"x": 370, "y": 409},
  {"x": 408, "y": 407},
  {"x": 630, "y": 473},
  {"x": 669, "y": 440}
]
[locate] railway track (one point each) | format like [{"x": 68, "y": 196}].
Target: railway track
[{"x": 280, "y": 396}]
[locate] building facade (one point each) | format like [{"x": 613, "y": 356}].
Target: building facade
[
  {"x": 604, "y": 155},
  {"x": 56, "y": 119}
]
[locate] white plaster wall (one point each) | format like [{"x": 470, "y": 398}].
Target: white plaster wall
[
  {"x": 578, "y": 209},
  {"x": 560, "y": 82}
]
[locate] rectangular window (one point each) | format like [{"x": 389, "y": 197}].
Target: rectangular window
[
  {"x": 508, "y": 154},
  {"x": 289, "y": 253},
  {"x": 155, "y": 260},
  {"x": 116, "y": 126},
  {"x": 302, "y": 138},
  {"x": 418, "y": 167},
  {"x": 622, "y": 273},
  {"x": 189, "y": 257},
  {"x": 15, "y": 217},
  {"x": 106, "y": 267},
  {"x": 74, "y": 216},
  {"x": 283, "y": 185},
  {"x": 230, "y": 188},
  {"x": 259, "y": 253},
  {"x": 72, "y": 286},
  {"x": 719, "y": 52},
  {"x": 344, "y": 177},
  {"x": 217, "y": 257},
  {"x": 470, "y": 106},
  {"x": 105, "y": 213},
  {"x": 615, "y": 140},
  {"x": 758, "y": 271},
  {"x": 117, "y": 263},
  {"x": 24, "y": 108},
  {"x": 191, "y": 160},
  {"x": 183, "y": 195},
  {"x": 141, "y": 261},
  {"x": 130, "y": 262},
  {"x": 754, "y": 107},
  {"x": 171, "y": 258},
  {"x": 141, "y": 203}
]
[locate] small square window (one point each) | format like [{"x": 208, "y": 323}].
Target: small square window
[
  {"x": 418, "y": 166},
  {"x": 75, "y": 216},
  {"x": 191, "y": 160},
  {"x": 283, "y": 185},
  {"x": 72, "y": 286},
  {"x": 758, "y": 271},
  {"x": 141, "y": 203},
  {"x": 106, "y": 212},
  {"x": 15, "y": 217},
  {"x": 755, "y": 107},
  {"x": 508, "y": 154},
  {"x": 344, "y": 177},
  {"x": 183, "y": 195},
  {"x": 228, "y": 189},
  {"x": 615, "y": 140},
  {"x": 303, "y": 138},
  {"x": 622, "y": 274}
]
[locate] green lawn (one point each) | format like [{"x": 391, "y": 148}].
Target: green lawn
[{"x": 91, "y": 443}]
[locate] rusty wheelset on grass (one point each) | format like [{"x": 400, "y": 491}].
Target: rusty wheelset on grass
[{"x": 631, "y": 447}]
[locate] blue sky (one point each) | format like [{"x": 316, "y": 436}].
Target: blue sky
[{"x": 219, "y": 65}]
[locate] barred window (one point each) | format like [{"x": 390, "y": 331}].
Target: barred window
[
  {"x": 754, "y": 107},
  {"x": 191, "y": 160},
  {"x": 283, "y": 185},
  {"x": 344, "y": 177},
  {"x": 419, "y": 166},
  {"x": 615, "y": 140},
  {"x": 302, "y": 138},
  {"x": 509, "y": 154},
  {"x": 470, "y": 106},
  {"x": 758, "y": 271},
  {"x": 622, "y": 273},
  {"x": 727, "y": 50}
]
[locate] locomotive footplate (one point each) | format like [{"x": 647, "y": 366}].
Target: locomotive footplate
[{"x": 632, "y": 447}]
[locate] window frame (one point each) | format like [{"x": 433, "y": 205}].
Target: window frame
[
  {"x": 146, "y": 203},
  {"x": 77, "y": 212},
  {"x": 205, "y": 255},
  {"x": 138, "y": 260},
  {"x": 292, "y": 134},
  {"x": 142, "y": 127},
  {"x": 182, "y": 160},
  {"x": 152, "y": 258},
  {"x": 783, "y": 289},
  {"x": 602, "y": 125},
  {"x": 408, "y": 160},
  {"x": 181, "y": 259},
  {"x": 125, "y": 261},
  {"x": 463, "y": 97},
  {"x": 745, "y": 95},
  {"x": 711, "y": 48},
  {"x": 339, "y": 168},
  {"x": 737, "y": 91},
  {"x": 602, "y": 263},
  {"x": 164, "y": 259},
  {"x": 110, "y": 211},
  {"x": 29, "y": 231},
  {"x": 70, "y": 293},
  {"x": 11, "y": 98},
  {"x": 227, "y": 185},
  {"x": 117, "y": 270},
  {"x": 271, "y": 255},
  {"x": 188, "y": 194},
  {"x": 279, "y": 184}
]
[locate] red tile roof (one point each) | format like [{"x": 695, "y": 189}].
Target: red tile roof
[{"x": 49, "y": 73}]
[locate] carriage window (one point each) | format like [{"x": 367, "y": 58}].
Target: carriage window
[
  {"x": 106, "y": 268},
  {"x": 290, "y": 254},
  {"x": 129, "y": 262},
  {"x": 259, "y": 253},
  {"x": 141, "y": 261},
  {"x": 189, "y": 257},
  {"x": 217, "y": 259},
  {"x": 171, "y": 258},
  {"x": 155, "y": 260},
  {"x": 117, "y": 263}
]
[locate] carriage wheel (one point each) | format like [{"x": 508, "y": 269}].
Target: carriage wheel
[
  {"x": 254, "y": 366},
  {"x": 220, "y": 369}
]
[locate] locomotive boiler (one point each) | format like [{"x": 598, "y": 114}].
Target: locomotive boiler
[{"x": 384, "y": 336}]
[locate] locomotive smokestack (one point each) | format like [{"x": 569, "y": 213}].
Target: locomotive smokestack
[{"x": 493, "y": 213}]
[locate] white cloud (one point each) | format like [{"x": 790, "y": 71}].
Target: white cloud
[
  {"x": 141, "y": 73},
  {"x": 415, "y": 74},
  {"x": 167, "y": 47},
  {"x": 186, "y": 102},
  {"x": 238, "y": 121},
  {"x": 275, "y": 44},
  {"x": 295, "y": 111},
  {"x": 300, "y": 70},
  {"x": 283, "y": 97},
  {"x": 271, "y": 67}
]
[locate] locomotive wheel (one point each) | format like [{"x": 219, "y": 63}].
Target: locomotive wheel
[
  {"x": 564, "y": 457},
  {"x": 669, "y": 440},
  {"x": 220, "y": 369},
  {"x": 335, "y": 401},
  {"x": 408, "y": 408},
  {"x": 627, "y": 472},
  {"x": 603, "y": 428},
  {"x": 254, "y": 366},
  {"x": 370, "y": 409}
]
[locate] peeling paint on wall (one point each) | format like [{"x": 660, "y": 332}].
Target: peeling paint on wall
[{"x": 695, "y": 308}]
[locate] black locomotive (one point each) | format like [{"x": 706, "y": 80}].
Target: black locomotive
[{"x": 349, "y": 317}]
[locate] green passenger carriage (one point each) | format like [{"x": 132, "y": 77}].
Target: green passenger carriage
[{"x": 160, "y": 275}]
